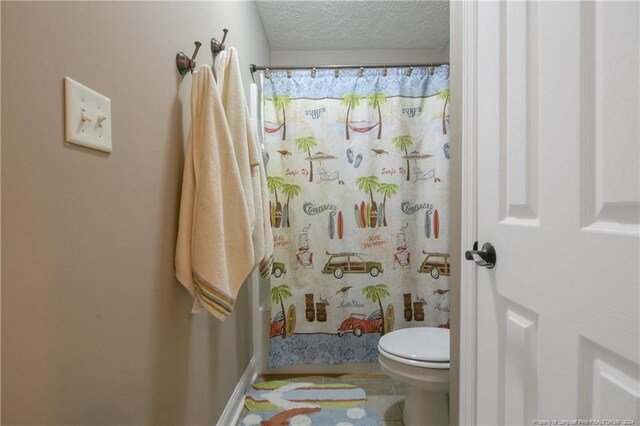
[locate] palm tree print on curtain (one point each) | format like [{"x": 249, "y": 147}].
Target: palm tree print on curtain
[
  {"x": 368, "y": 184},
  {"x": 281, "y": 102},
  {"x": 402, "y": 143},
  {"x": 291, "y": 190},
  {"x": 274, "y": 183},
  {"x": 352, "y": 101},
  {"x": 334, "y": 175},
  {"x": 375, "y": 293},
  {"x": 388, "y": 190},
  {"x": 278, "y": 295},
  {"x": 305, "y": 144},
  {"x": 444, "y": 96},
  {"x": 375, "y": 100}
]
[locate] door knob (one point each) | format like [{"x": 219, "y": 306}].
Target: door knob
[{"x": 485, "y": 257}]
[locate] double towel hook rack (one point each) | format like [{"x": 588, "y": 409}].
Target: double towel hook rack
[{"x": 186, "y": 64}]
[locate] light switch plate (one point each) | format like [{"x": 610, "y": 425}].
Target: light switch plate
[{"x": 87, "y": 116}]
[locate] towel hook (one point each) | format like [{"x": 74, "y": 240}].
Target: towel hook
[
  {"x": 185, "y": 64},
  {"x": 218, "y": 46}
]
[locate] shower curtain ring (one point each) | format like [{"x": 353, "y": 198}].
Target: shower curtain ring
[
  {"x": 336, "y": 73},
  {"x": 289, "y": 73},
  {"x": 431, "y": 69},
  {"x": 313, "y": 73},
  {"x": 361, "y": 72},
  {"x": 409, "y": 71},
  {"x": 267, "y": 73},
  {"x": 384, "y": 71}
]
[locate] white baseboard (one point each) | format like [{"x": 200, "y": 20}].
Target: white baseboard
[{"x": 233, "y": 409}]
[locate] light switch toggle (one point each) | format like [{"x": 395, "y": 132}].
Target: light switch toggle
[
  {"x": 84, "y": 117},
  {"x": 101, "y": 118}
]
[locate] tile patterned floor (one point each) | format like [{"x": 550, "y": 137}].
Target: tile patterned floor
[{"x": 385, "y": 397}]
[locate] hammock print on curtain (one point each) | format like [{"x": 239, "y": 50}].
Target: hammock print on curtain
[
  {"x": 363, "y": 129},
  {"x": 359, "y": 179}
]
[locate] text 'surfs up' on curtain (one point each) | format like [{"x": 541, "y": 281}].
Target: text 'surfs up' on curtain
[{"x": 359, "y": 178}]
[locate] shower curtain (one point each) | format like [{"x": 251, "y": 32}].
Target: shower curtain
[{"x": 358, "y": 172}]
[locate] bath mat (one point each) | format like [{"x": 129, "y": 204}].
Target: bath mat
[{"x": 282, "y": 403}]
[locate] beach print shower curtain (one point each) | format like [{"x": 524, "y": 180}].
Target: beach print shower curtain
[{"x": 358, "y": 170}]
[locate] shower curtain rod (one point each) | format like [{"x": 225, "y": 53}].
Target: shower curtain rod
[{"x": 254, "y": 67}]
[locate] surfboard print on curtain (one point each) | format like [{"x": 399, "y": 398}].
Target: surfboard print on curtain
[{"x": 358, "y": 173}]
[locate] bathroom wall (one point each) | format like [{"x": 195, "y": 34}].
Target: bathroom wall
[
  {"x": 455, "y": 218},
  {"x": 364, "y": 56},
  {"x": 95, "y": 329}
]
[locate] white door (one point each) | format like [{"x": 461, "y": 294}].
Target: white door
[{"x": 558, "y": 197}]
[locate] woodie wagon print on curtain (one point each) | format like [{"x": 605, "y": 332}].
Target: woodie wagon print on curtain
[{"x": 358, "y": 173}]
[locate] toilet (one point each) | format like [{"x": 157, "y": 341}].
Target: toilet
[{"x": 419, "y": 359}]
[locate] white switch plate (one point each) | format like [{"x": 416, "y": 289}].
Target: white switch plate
[{"x": 95, "y": 130}]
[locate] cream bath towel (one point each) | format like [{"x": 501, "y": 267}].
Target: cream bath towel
[
  {"x": 214, "y": 252},
  {"x": 233, "y": 109},
  {"x": 248, "y": 154}
]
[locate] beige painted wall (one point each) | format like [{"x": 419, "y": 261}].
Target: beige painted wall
[
  {"x": 455, "y": 30},
  {"x": 95, "y": 329},
  {"x": 363, "y": 56}
]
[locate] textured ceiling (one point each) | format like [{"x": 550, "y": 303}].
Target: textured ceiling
[{"x": 364, "y": 24}]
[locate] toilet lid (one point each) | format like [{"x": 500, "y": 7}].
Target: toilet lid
[{"x": 418, "y": 344}]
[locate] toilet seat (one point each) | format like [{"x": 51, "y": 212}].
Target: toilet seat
[
  {"x": 425, "y": 347},
  {"x": 415, "y": 363}
]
